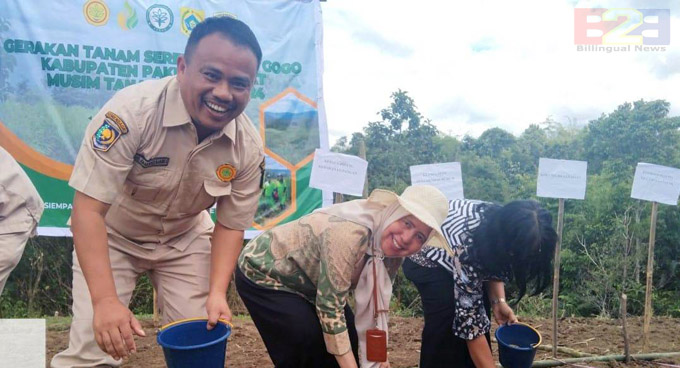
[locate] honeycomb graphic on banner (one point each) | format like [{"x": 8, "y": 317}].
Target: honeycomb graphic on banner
[{"x": 289, "y": 127}]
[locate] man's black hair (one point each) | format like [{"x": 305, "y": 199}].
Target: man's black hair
[{"x": 233, "y": 29}]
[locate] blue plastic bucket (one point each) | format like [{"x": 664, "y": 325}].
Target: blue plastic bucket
[
  {"x": 517, "y": 345},
  {"x": 188, "y": 343}
]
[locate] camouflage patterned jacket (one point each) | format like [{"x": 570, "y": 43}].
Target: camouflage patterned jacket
[{"x": 315, "y": 257}]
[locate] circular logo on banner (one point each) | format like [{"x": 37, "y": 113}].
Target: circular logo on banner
[
  {"x": 189, "y": 19},
  {"x": 226, "y": 172},
  {"x": 96, "y": 12},
  {"x": 159, "y": 17}
]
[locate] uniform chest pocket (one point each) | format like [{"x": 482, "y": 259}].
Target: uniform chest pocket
[
  {"x": 145, "y": 185},
  {"x": 207, "y": 195}
]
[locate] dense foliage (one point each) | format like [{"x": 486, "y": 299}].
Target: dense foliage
[{"x": 605, "y": 236}]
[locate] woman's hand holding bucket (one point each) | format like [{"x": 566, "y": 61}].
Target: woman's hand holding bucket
[
  {"x": 217, "y": 309},
  {"x": 113, "y": 325},
  {"x": 503, "y": 314}
]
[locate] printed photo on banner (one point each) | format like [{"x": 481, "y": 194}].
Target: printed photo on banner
[{"x": 276, "y": 192}]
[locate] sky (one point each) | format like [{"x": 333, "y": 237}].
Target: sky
[{"x": 475, "y": 65}]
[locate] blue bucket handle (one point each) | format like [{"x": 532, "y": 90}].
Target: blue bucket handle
[
  {"x": 194, "y": 319},
  {"x": 540, "y": 338}
]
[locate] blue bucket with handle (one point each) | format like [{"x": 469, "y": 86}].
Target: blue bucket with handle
[
  {"x": 188, "y": 343},
  {"x": 517, "y": 345}
]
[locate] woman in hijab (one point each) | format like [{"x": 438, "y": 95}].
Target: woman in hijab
[
  {"x": 490, "y": 245},
  {"x": 295, "y": 278}
]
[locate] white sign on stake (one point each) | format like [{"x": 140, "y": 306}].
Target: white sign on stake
[
  {"x": 561, "y": 178},
  {"x": 656, "y": 183},
  {"x": 446, "y": 177},
  {"x": 339, "y": 173}
]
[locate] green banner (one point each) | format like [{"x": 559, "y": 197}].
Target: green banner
[{"x": 56, "y": 75}]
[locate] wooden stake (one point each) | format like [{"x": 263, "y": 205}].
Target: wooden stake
[
  {"x": 603, "y": 358},
  {"x": 362, "y": 154},
  {"x": 556, "y": 275},
  {"x": 155, "y": 309},
  {"x": 650, "y": 271},
  {"x": 624, "y": 314},
  {"x": 338, "y": 198},
  {"x": 561, "y": 349}
]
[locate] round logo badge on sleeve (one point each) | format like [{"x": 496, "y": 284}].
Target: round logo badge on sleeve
[{"x": 226, "y": 172}]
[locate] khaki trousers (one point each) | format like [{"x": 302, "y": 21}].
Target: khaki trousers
[
  {"x": 180, "y": 278},
  {"x": 11, "y": 248}
]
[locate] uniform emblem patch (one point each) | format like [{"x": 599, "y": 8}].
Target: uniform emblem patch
[
  {"x": 105, "y": 136},
  {"x": 109, "y": 132},
  {"x": 226, "y": 172},
  {"x": 119, "y": 122}
]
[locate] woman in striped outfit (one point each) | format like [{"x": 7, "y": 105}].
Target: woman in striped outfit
[{"x": 491, "y": 245}]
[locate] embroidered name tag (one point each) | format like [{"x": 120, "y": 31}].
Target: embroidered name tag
[{"x": 156, "y": 161}]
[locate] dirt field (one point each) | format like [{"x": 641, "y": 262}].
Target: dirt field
[{"x": 588, "y": 335}]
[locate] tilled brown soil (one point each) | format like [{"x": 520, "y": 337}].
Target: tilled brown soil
[{"x": 588, "y": 335}]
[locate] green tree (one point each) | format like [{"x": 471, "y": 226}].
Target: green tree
[
  {"x": 641, "y": 131},
  {"x": 391, "y": 149}
]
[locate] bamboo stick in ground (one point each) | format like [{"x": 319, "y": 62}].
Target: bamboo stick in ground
[
  {"x": 624, "y": 313},
  {"x": 603, "y": 358},
  {"x": 556, "y": 272},
  {"x": 649, "y": 286},
  {"x": 561, "y": 349},
  {"x": 565, "y": 350},
  {"x": 156, "y": 318}
]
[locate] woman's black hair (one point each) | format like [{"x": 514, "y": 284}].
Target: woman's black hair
[{"x": 517, "y": 238}]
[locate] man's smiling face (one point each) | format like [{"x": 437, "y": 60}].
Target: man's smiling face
[{"x": 215, "y": 82}]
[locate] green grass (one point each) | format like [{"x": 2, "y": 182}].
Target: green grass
[{"x": 58, "y": 323}]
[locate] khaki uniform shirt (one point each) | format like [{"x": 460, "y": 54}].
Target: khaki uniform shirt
[
  {"x": 20, "y": 204},
  {"x": 141, "y": 154}
]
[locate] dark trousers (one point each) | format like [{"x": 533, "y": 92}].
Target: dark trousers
[
  {"x": 440, "y": 348},
  {"x": 289, "y": 326}
]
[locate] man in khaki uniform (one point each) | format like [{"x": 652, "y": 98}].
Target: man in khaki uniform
[
  {"x": 155, "y": 157},
  {"x": 20, "y": 211}
]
